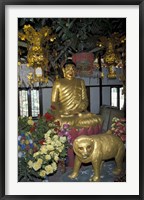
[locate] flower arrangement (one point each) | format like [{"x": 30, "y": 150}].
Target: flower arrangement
[
  {"x": 45, "y": 160},
  {"x": 41, "y": 145},
  {"x": 118, "y": 127}
]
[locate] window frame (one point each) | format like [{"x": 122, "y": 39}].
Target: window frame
[
  {"x": 29, "y": 101},
  {"x": 118, "y": 95}
]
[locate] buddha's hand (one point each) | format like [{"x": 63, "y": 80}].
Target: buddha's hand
[
  {"x": 66, "y": 114},
  {"x": 83, "y": 105}
]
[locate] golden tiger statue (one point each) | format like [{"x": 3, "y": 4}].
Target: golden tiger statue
[{"x": 96, "y": 149}]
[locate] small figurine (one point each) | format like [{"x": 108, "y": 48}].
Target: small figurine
[{"x": 96, "y": 149}]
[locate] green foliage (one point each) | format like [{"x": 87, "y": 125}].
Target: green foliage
[{"x": 24, "y": 173}]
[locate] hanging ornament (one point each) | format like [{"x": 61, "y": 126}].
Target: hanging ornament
[
  {"x": 84, "y": 63},
  {"x": 37, "y": 56}
]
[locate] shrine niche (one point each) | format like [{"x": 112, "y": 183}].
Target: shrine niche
[{"x": 59, "y": 61}]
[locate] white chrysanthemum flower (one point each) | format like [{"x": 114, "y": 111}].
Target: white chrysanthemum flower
[
  {"x": 19, "y": 137},
  {"x": 30, "y": 141},
  {"x": 20, "y": 154}
]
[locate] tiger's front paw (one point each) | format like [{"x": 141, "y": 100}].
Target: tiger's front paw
[
  {"x": 117, "y": 171},
  {"x": 73, "y": 175},
  {"x": 94, "y": 179}
]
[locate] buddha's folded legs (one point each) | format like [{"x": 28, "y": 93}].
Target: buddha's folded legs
[
  {"x": 80, "y": 121},
  {"x": 88, "y": 120}
]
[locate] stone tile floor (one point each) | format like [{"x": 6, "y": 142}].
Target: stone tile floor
[{"x": 86, "y": 172}]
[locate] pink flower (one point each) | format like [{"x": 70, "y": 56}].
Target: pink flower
[
  {"x": 66, "y": 126},
  {"x": 123, "y": 120},
  {"x": 121, "y": 131},
  {"x": 124, "y": 129},
  {"x": 118, "y": 124},
  {"x": 66, "y": 133},
  {"x": 123, "y": 138}
]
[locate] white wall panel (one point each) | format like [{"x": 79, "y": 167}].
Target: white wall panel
[
  {"x": 46, "y": 99},
  {"x": 106, "y": 96},
  {"x": 94, "y": 100}
]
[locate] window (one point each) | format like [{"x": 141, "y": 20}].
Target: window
[
  {"x": 35, "y": 105},
  {"x": 23, "y": 99},
  {"x": 121, "y": 97},
  {"x": 114, "y": 97},
  {"x": 117, "y": 97},
  {"x": 29, "y": 102}
]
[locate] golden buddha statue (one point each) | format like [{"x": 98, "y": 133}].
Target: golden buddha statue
[{"x": 69, "y": 97}]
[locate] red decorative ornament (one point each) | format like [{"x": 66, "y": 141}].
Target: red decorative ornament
[{"x": 84, "y": 62}]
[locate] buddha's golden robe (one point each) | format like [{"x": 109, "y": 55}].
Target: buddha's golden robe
[{"x": 70, "y": 100}]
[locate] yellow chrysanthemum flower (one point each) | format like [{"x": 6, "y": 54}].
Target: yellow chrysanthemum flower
[
  {"x": 53, "y": 143},
  {"x": 27, "y": 142},
  {"x": 47, "y": 136},
  {"x": 49, "y": 132},
  {"x": 63, "y": 139},
  {"x": 55, "y": 137},
  {"x": 49, "y": 169},
  {"x": 42, "y": 173},
  {"x": 56, "y": 158},
  {"x": 58, "y": 143},
  {"x": 43, "y": 149},
  {"x": 48, "y": 140},
  {"x": 36, "y": 154},
  {"x": 60, "y": 149},
  {"x": 54, "y": 165},
  {"x": 30, "y": 164},
  {"x": 40, "y": 161},
  {"x": 30, "y": 122},
  {"x": 50, "y": 147},
  {"x": 52, "y": 153},
  {"x": 47, "y": 157},
  {"x": 36, "y": 166}
]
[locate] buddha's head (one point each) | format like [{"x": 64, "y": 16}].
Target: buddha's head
[{"x": 69, "y": 69}]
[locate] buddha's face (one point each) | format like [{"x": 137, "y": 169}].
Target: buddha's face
[{"x": 69, "y": 71}]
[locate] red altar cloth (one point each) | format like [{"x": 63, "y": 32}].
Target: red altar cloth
[{"x": 74, "y": 133}]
